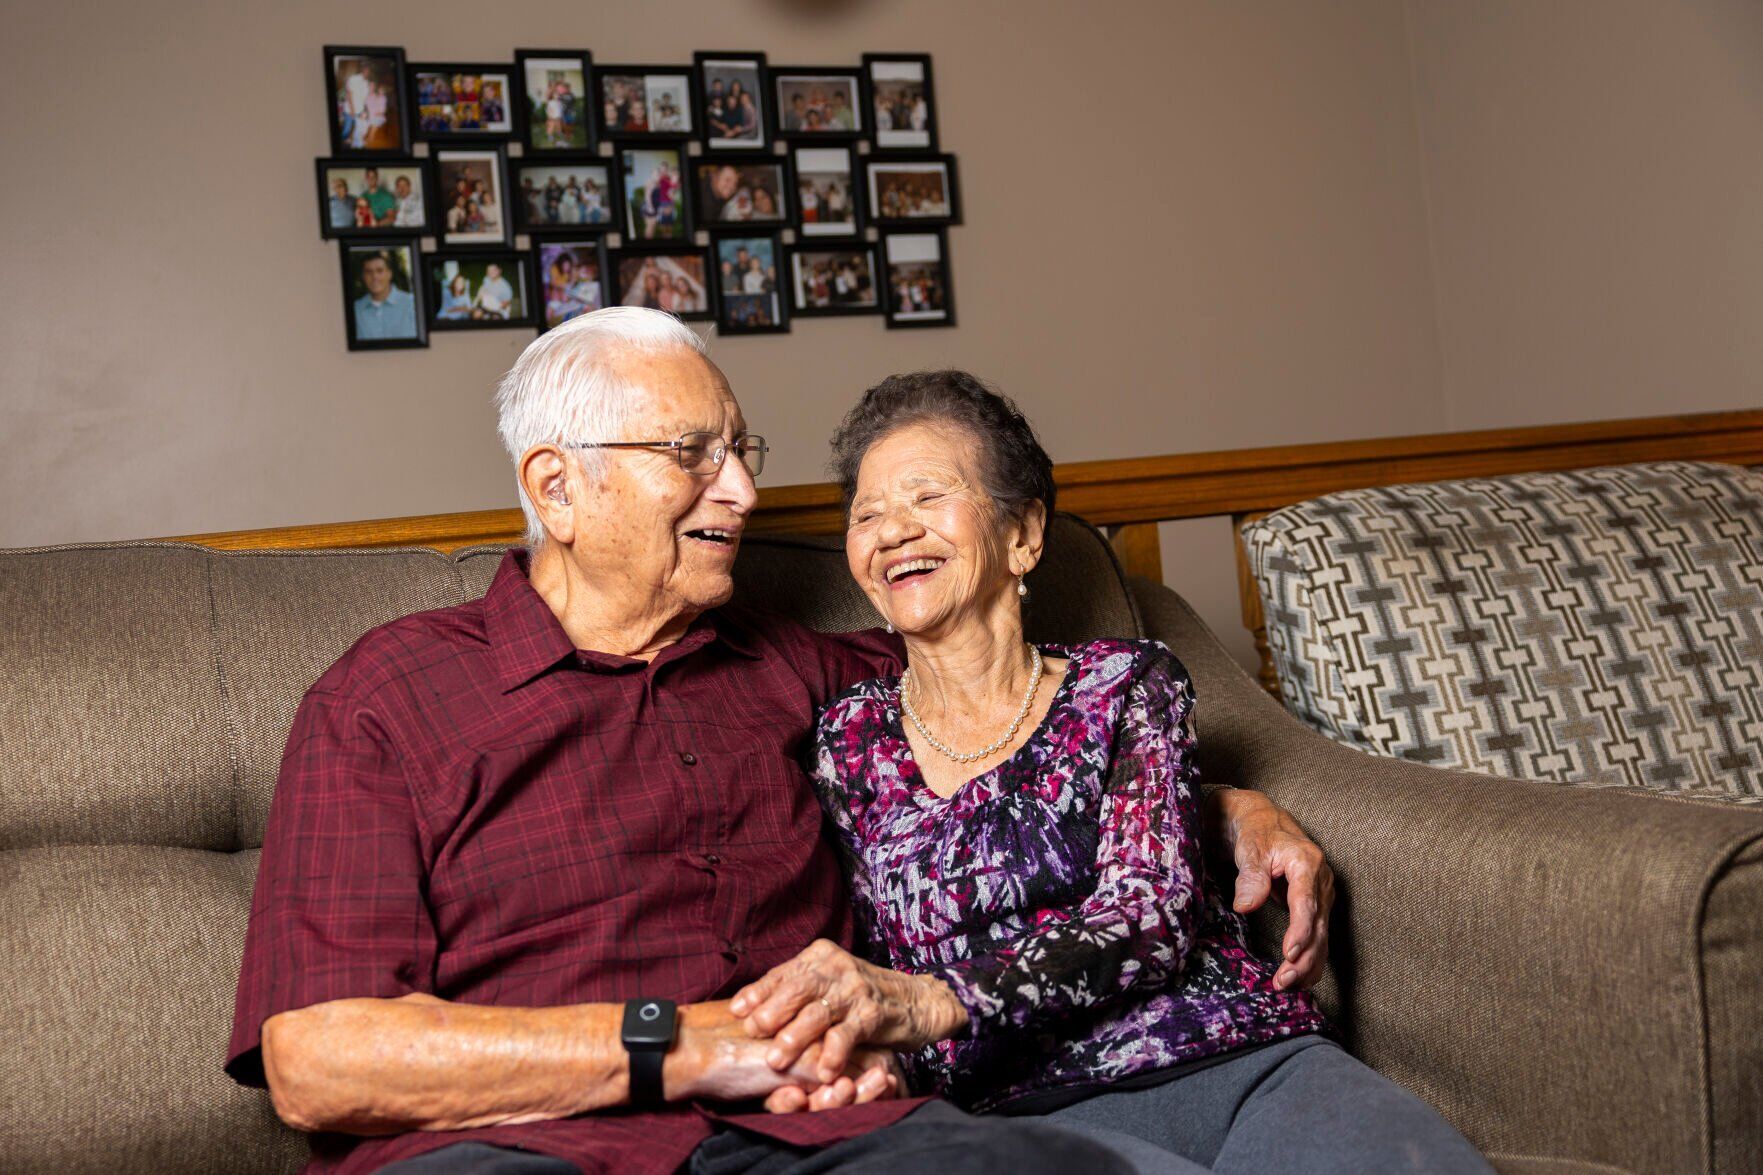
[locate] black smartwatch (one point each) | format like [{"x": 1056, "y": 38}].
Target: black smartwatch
[{"x": 647, "y": 1035}]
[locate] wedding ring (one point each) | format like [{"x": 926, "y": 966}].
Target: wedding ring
[{"x": 827, "y": 1006}]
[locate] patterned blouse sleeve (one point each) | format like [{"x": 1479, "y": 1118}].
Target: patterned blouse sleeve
[
  {"x": 841, "y": 794},
  {"x": 1138, "y": 926}
]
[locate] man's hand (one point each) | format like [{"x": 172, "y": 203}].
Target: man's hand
[
  {"x": 717, "y": 1059},
  {"x": 827, "y": 995},
  {"x": 1274, "y": 857}
]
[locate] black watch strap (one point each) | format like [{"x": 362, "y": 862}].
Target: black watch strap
[{"x": 647, "y": 1035}]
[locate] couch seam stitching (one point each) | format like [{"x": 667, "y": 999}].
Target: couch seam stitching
[
  {"x": 1717, "y": 869},
  {"x": 226, "y": 704}
]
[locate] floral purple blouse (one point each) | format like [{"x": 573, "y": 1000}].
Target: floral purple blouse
[{"x": 1060, "y": 894}]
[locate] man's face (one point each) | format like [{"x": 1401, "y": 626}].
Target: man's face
[
  {"x": 723, "y": 182},
  {"x": 376, "y": 275},
  {"x": 492, "y": 271},
  {"x": 660, "y": 541},
  {"x": 402, "y": 186},
  {"x": 373, "y": 178}
]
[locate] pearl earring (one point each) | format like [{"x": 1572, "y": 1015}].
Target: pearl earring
[
  {"x": 890, "y": 626},
  {"x": 1021, "y": 588}
]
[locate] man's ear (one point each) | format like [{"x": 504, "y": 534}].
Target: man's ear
[
  {"x": 1027, "y": 538},
  {"x": 545, "y": 476}
]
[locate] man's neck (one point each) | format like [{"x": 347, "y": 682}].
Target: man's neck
[{"x": 593, "y": 620}]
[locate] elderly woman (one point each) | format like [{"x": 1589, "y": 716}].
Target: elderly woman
[{"x": 1020, "y": 826}]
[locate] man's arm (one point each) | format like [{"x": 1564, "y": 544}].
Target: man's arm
[
  {"x": 1274, "y": 857},
  {"x": 386, "y": 1066}
]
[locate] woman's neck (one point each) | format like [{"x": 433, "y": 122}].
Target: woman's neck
[{"x": 971, "y": 671}]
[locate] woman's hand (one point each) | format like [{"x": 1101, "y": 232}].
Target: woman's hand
[
  {"x": 717, "y": 1058},
  {"x": 829, "y": 996}
]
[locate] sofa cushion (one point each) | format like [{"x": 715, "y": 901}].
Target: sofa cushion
[
  {"x": 1603, "y": 626},
  {"x": 118, "y": 963},
  {"x": 112, "y": 727}
]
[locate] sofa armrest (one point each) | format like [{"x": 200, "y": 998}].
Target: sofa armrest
[{"x": 1562, "y": 971}]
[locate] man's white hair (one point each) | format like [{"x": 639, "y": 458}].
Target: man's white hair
[{"x": 569, "y": 386}]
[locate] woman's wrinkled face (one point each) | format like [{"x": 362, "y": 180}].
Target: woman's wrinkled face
[{"x": 925, "y": 541}]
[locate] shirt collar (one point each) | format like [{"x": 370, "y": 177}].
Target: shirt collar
[{"x": 527, "y": 639}]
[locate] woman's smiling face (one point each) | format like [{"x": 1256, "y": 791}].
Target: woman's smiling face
[{"x": 925, "y": 541}]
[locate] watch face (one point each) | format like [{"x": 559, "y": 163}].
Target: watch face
[{"x": 648, "y": 1023}]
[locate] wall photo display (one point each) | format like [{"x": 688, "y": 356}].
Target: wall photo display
[
  {"x": 733, "y": 115},
  {"x": 382, "y": 295},
  {"x": 786, "y": 171},
  {"x": 918, "y": 290},
  {"x": 553, "y": 111}
]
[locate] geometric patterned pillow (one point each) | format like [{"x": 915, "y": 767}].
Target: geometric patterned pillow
[{"x": 1601, "y": 627}]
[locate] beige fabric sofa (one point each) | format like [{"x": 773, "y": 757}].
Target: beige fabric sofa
[{"x": 1570, "y": 976}]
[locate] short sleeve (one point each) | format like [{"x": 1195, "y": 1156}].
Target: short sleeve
[
  {"x": 842, "y": 659},
  {"x": 339, "y": 910}
]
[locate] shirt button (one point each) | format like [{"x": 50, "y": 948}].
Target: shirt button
[
  {"x": 712, "y": 859},
  {"x": 689, "y": 759}
]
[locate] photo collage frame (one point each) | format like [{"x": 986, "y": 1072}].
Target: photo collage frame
[{"x": 486, "y": 195}]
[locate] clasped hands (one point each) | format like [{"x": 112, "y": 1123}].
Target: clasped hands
[{"x": 836, "y": 1020}]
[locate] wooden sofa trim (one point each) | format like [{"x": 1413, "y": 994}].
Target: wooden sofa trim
[{"x": 1128, "y": 497}]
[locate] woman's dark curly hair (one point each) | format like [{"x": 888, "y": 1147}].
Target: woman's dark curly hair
[{"x": 1014, "y": 469}]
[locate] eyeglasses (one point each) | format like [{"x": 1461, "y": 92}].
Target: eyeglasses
[{"x": 700, "y": 454}]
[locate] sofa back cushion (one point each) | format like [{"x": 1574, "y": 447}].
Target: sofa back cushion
[{"x": 1603, "y": 626}]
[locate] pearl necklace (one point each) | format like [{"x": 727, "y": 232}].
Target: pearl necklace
[{"x": 1034, "y": 683}]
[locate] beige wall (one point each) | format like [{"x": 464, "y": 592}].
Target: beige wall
[
  {"x": 1594, "y": 172},
  {"x": 1190, "y": 225}
]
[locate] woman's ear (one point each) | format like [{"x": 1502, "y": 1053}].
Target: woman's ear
[
  {"x": 544, "y": 475},
  {"x": 1028, "y": 535}
]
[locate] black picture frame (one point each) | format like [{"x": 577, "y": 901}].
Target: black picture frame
[
  {"x": 422, "y": 125},
  {"x": 799, "y": 277},
  {"x": 574, "y": 166},
  {"x": 894, "y": 140},
  {"x": 548, "y": 300},
  {"x": 898, "y": 318},
  {"x": 784, "y": 81},
  {"x": 494, "y": 159},
  {"x": 807, "y": 161},
  {"x": 346, "y": 129},
  {"x": 897, "y": 164},
  {"x": 703, "y": 64},
  {"x": 706, "y": 174},
  {"x": 636, "y": 169},
  {"x": 529, "y": 126},
  {"x": 735, "y": 308},
  {"x": 606, "y": 76},
  {"x": 416, "y": 170},
  {"x": 515, "y": 269},
  {"x": 355, "y": 289},
  {"x": 617, "y": 264}
]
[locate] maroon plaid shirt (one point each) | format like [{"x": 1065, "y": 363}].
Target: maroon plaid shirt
[{"x": 472, "y": 808}]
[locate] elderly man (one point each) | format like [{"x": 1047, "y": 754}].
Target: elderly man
[{"x": 522, "y": 849}]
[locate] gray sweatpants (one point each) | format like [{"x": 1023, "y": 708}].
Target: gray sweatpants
[{"x": 1302, "y": 1104}]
